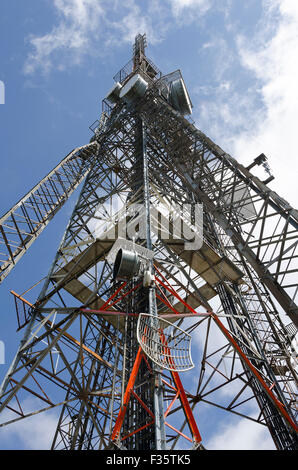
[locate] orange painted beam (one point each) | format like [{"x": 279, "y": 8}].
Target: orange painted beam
[
  {"x": 182, "y": 395},
  {"x": 126, "y": 398}
]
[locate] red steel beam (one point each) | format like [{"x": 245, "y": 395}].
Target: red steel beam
[
  {"x": 182, "y": 395},
  {"x": 112, "y": 296},
  {"x": 128, "y": 392},
  {"x": 177, "y": 431},
  {"x": 137, "y": 430}
]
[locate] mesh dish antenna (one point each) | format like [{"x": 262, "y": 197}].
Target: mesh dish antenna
[{"x": 165, "y": 344}]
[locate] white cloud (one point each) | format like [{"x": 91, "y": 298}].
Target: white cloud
[
  {"x": 79, "y": 21},
  {"x": 84, "y": 13},
  {"x": 137, "y": 20},
  {"x": 262, "y": 117},
  {"x": 273, "y": 61},
  {"x": 87, "y": 27},
  {"x": 223, "y": 57},
  {"x": 199, "y": 6},
  {"x": 32, "y": 433},
  {"x": 244, "y": 435}
]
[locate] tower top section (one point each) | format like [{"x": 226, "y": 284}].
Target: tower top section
[
  {"x": 141, "y": 63},
  {"x": 140, "y": 75},
  {"x": 139, "y": 45}
]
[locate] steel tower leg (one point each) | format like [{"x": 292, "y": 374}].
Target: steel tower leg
[{"x": 160, "y": 435}]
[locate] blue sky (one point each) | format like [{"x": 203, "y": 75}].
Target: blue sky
[{"x": 57, "y": 60}]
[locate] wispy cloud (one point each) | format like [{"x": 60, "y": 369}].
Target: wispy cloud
[
  {"x": 134, "y": 19},
  {"x": 78, "y": 22},
  {"x": 87, "y": 27},
  {"x": 190, "y": 7},
  {"x": 257, "y": 111},
  {"x": 273, "y": 61}
]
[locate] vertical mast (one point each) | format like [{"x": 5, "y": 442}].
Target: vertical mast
[
  {"x": 141, "y": 194},
  {"x": 160, "y": 438}
]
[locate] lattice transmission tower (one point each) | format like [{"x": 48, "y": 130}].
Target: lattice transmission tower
[{"x": 171, "y": 241}]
